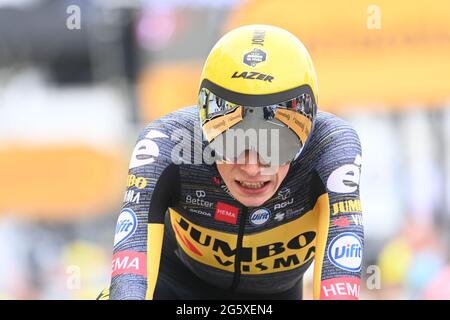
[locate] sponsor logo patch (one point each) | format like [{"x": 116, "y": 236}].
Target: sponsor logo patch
[
  {"x": 280, "y": 216},
  {"x": 278, "y": 249},
  {"x": 252, "y": 76},
  {"x": 357, "y": 219},
  {"x": 200, "y": 193},
  {"x": 132, "y": 197},
  {"x": 254, "y": 57},
  {"x": 340, "y": 288},
  {"x": 199, "y": 201},
  {"x": 260, "y": 216},
  {"x": 283, "y": 204},
  {"x": 345, "y": 251},
  {"x": 284, "y": 193},
  {"x": 226, "y": 213},
  {"x": 346, "y": 206},
  {"x": 138, "y": 182},
  {"x": 258, "y": 37},
  {"x": 341, "y": 222},
  {"x": 345, "y": 179},
  {"x": 129, "y": 262},
  {"x": 201, "y": 212},
  {"x": 126, "y": 226},
  {"x": 345, "y": 221},
  {"x": 146, "y": 150}
]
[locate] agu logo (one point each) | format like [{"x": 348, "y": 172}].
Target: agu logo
[
  {"x": 345, "y": 251},
  {"x": 284, "y": 193},
  {"x": 260, "y": 216},
  {"x": 126, "y": 226}
]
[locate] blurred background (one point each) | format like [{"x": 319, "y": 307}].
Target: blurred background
[{"x": 80, "y": 79}]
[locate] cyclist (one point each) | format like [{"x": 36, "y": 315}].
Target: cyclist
[{"x": 241, "y": 210}]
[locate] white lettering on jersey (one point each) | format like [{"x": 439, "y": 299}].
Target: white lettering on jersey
[
  {"x": 146, "y": 150},
  {"x": 345, "y": 179}
]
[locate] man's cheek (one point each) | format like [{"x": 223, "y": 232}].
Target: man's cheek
[{"x": 269, "y": 171}]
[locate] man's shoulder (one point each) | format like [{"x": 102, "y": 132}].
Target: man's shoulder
[
  {"x": 331, "y": 128},
  {"x": 330, "y": 121},
  {"x": 185, "y": 118},
  {"x": 173, "y": 138},
  {"x": 332, "y": 138},
  {"x": 181, "y": 122}
]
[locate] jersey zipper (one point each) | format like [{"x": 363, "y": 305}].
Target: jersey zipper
[{"x": 237, "y": 259}]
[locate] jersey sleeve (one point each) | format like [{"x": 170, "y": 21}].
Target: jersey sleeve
[
  {"x": 150, "y": 190},
  {"x": 340, "y": 235}
]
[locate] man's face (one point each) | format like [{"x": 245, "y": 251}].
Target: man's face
[{"x": 251, "y": 182}]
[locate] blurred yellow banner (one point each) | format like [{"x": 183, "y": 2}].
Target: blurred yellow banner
[
  {"x": 367, "y": 54},
  {"x": 167, "y": 87},
  {"x": 60, "y": 182}
]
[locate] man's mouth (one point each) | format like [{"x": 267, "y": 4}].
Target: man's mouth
[
  {"x": 253, "y": 188},
  {"x": 252, "y": 185}
]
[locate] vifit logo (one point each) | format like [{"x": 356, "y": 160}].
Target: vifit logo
[
  {"x": 345, "y": 251},
  {"x": 126, "y": 226},
  {"x": 260, "y": 216}
]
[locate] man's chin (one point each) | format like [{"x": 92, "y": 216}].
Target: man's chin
[{"x": 252, "y": 201}]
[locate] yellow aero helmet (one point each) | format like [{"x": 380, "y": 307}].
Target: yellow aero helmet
[{"x": 258, "y": 88}]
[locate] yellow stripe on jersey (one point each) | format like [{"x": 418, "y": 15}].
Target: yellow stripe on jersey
[
  {"x": 155, "y": 235},
  {"x": 282, "y": 248},
  {"x": 104, "y": 295},
  {"x": 321, "y": 242}
]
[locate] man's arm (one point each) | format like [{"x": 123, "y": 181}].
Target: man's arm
[
  {"x": 140, "y": 226},
  {"x": 340, "y": 239}
]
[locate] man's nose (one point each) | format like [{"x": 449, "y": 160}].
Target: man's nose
[
  {"x": 251, "y": 170},
  {"x": 250, "y": 164}
]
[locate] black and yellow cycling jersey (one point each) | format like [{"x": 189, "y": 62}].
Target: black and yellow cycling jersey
[{"x": 179, "y": 226}]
